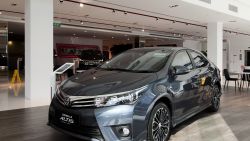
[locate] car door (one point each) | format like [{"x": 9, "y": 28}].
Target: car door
[
  {"x": 204, "y": 73},
  {"x": 183, "y": 86}
]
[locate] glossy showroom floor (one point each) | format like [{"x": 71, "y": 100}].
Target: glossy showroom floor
[{"x": 231, "y": 123}]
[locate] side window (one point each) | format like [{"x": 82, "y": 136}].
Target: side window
[
  {"x": 199, "y": 60},
  {"x": 182, "y": 59}
]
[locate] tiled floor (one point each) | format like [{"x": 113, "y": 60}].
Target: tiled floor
[
  {"x": 231, "y": 123},
  {"x": 11, "y": 95}
]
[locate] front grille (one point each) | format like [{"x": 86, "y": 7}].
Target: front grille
[
  {"x": 87, "y": 131},
  {"x": 88, "y": 102},
  {"x": 75, "y": 101}
]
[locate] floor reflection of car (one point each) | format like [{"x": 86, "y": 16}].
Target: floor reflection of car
[{"x": 138, "y": 95}]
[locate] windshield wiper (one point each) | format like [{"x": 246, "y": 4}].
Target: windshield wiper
[
  {"x": 127, "y": 70},
  {"x": 116, "y": 69}
]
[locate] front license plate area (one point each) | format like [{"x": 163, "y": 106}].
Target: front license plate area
[{"x": 67, "y": 119}]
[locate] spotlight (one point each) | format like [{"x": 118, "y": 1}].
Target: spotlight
[
  {"x": 113, "y": 37},
  {"x": 81, "y": 5},
  {"x": 81, "y": 22},
  {"x": 1, "y": 13},
  {"x": 142, "y": 30},
  {"x": 61, "y": 1}
]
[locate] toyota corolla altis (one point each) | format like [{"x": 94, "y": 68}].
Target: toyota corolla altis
[{"x": 138, "y": 95}]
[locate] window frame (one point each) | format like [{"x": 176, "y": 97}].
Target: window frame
[
  {"x": 183, "y": 50},
  {"x": 189, "y": 52}
]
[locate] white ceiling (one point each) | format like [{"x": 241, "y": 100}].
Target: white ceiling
[{"x": 159, "y": 8}]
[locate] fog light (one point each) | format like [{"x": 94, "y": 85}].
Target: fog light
[{"x": 124, "y": 131}]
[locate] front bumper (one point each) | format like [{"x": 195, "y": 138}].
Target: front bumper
[{"x": 94, "y": 124}]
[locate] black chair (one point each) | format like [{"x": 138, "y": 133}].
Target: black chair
[
  {"x": 245, "y": 78},
  {"x": 228, "y": 78}
]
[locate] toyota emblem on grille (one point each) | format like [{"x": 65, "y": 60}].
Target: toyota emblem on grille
[{"x": 67, "y": 102}]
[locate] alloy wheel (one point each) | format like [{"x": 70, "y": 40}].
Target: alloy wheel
[{"x": 161, "y": 124}]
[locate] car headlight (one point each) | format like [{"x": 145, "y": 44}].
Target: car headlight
[{"x": 129, "y": 97}]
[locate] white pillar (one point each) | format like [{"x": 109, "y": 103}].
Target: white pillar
[
  {"x": 215, "y": 43},
  {"x": 38, "y": 50}
]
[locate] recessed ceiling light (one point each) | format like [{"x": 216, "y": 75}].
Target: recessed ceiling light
[
  {"x": 81, "y": 22},
  {"x": 113, "y": 37},
  {"x": 13, "y": 4},
  {"x": 81, "y": 5},
  {"x": 1, "y": 13},
  {"x": 142, "y": 30},
  {"x": 128, "y": 39}
]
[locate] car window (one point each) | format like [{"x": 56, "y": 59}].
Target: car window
[
  {"x": 138, "y": 61},
  {"x": 199, "y": 60},
  {"x": 182, "y": 59}
]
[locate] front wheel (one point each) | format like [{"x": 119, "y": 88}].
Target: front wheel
[
  {"x": 215, "y": 103},
  {"x": 160, "y": 123}
]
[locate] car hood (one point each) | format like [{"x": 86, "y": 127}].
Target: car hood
[{"x": 98, "y": 82}]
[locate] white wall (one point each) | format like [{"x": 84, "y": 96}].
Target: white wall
[
  {"x": 238, "y": 44},
  {"x": 192, "y": 44}
]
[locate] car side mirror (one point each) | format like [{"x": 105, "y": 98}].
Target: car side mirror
[{"x": 180, "y": 70}]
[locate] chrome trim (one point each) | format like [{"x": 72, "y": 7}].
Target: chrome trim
[{"x": 87, "y": 101}]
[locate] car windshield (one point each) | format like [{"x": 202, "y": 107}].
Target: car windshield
[{"x": 138, "y": 61}]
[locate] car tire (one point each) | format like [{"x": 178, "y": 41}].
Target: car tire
[
  {"x": 215, "y": 103},
  {"x": 159, "y": 126}
]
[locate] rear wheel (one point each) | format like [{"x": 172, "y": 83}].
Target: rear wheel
[
  {"x": 215, "y": 104},
  {"x": 160, "y": 123}
]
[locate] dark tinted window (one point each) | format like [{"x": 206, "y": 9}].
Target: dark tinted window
[
  {"x": 182, "y": 59},
  {"x": 199, "y": 60},
  {"x": 138, "y": 61}
]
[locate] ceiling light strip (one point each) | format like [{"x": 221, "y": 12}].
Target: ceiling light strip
[
  {"x": 128, "y": 27},
  {"x": 114, "y": 31},
  {"x": 134, "y": 13},
  {"x": 230, "y": 31}
]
